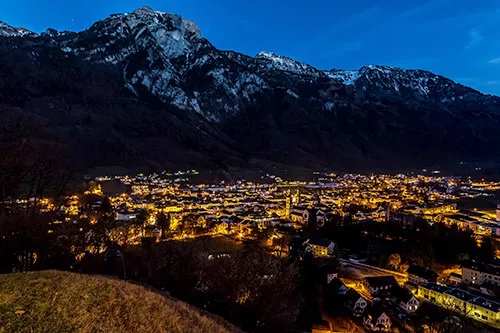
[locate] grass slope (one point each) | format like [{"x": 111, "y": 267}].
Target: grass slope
[{"x": 53, "y": 301}]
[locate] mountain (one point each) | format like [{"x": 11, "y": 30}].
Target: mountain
[
  {"x": 146, "y": 89},
  {"x": 8, "y": 31}
]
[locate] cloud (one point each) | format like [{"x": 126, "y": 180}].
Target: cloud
[
  {"x": 494, "y": 61},
  {"x": 493, "y": 82},
  {"x": 424, "y": 7},
  {"x": 475, "y": 37}
]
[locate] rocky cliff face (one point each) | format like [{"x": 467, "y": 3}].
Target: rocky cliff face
[
  {"x": 8, "y": 31},
  {"x": 147, "y": 88}
]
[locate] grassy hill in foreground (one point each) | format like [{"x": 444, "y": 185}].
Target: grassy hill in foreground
[{"x": 52, "y": 301}]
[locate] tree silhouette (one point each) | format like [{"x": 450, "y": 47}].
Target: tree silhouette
[
  {"x": 487, "y": 250},
  {"x": 164, "y": 222},
  {"x": 141, "y": 219},
  {"x": 106, "y": 207},
  {"x": 394, "y": 261}
]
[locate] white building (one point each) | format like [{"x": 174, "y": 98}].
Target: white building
[
  {"x": 126, "y": 216},
  {"x": 477, "y": 273}
]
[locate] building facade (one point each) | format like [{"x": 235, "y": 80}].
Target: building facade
[
  {"x": 321, "y": 247},
  {"x": 421, "y": 275},
  {"x": 463, "y": 302},
  {"x": 477, "y": 273}
]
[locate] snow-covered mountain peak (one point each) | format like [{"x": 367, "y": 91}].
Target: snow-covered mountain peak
[
  {"x": 9, "y": 31},
  {"x": 160, "y": 35},
  {"x": 275, "y": 61},
  {"x": 145, "y": 10},
  {"x": 381, "y": 68},
  {"x": 157, "y": 19},
  {"x": 346, "y": 77}
]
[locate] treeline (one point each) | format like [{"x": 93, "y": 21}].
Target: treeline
[
  {"x": 247, "y": 286},
  {"x": 421, "y": 243},
  {"x": 30, "y": 170}
]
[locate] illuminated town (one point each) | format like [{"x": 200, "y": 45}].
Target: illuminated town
[
  {"x": 250, "y": 166},
  {"x": 291, "y": 217}
]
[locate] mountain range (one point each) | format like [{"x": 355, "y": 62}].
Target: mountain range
[{"x": 145, "y": 89}]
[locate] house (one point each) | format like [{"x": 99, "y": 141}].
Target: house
[
  {"x": 327, "y": 272},
  {"x": 331, "y": 276},
  {"x": 405, "y": 299},
  {"x": 477, "y": 273},
  {"x": 152, "y": 232},
  {"x": 355, "y": 302},
  {"x": 378, "y": 285},
  {"x": 91, "y": 202},
  {"x": 302, "y": 215},
  {"x": 487, "y": 288},
  {"x": 471, "y": 305},
  {"x": 320, "y": 247},
  {"x": 222, "y": 228},
  {"x": 455, "y": 278},
  {"x": 125, "y": 216},
  {"x": 299, "y": 215},
  {"x": 419, "y": 275},
  {"x": 376, "y": 319},
  {"x": 337, "y": 287},
  {"x": 322, "y": 216}
]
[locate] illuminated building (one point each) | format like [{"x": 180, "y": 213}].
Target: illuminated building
[
  {"x": 292, "y": 200},
  {"x": 419, "y": 275},
  {"x": 461, "y": 301},
  {"x": 376, "y": 318},
  {"x": 477, "y": 273},
  {"x": 321, "y": 247}
]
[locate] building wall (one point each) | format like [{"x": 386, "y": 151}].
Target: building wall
[
  {"x": 319, "y": 251},
  {"x": 430, "y": 295},
  {"x": 125, "y": 217},
  {"x": 416, "y": 279},
  {"x": 383, "y": 320},
  {"x": 331, "y": 248},
  {"x": 469, "y": 309},
  {"x": 471, "y": 276},
  {"x": 482, "y": 314},
  {"x": 411, "y": 306}
]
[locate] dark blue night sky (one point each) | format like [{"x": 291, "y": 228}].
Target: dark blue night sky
[{"x": 459, "y": 39}]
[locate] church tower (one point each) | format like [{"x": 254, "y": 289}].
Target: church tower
[
  {"x": 288, "y": 205},
  {"x": 498, "y": 211},
  {"x": 292, "y": 199},
  {"x": 296, "y": 197}
]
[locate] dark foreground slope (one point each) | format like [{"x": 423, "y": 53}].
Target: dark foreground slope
[
  {"x": 52, "y": 301},
  {"x": 145, "y": 88}
]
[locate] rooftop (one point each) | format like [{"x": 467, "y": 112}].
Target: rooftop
[
  {"x": 423, "y": 272},
  {"x": 485, "y": 268},
  {"x": 435, "y": 287},
  {"x": 319, "y": 242},
  {"x": 375, "y": 281}
]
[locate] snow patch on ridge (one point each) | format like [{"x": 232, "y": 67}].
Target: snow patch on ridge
[
  {"x": 346, "y": 77},
  {"x": 293, "y": 94},
  {"x": 286, "y": 64},
  {"x": 329, "y": 106},
  {"x": 9, "y": 31}
]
